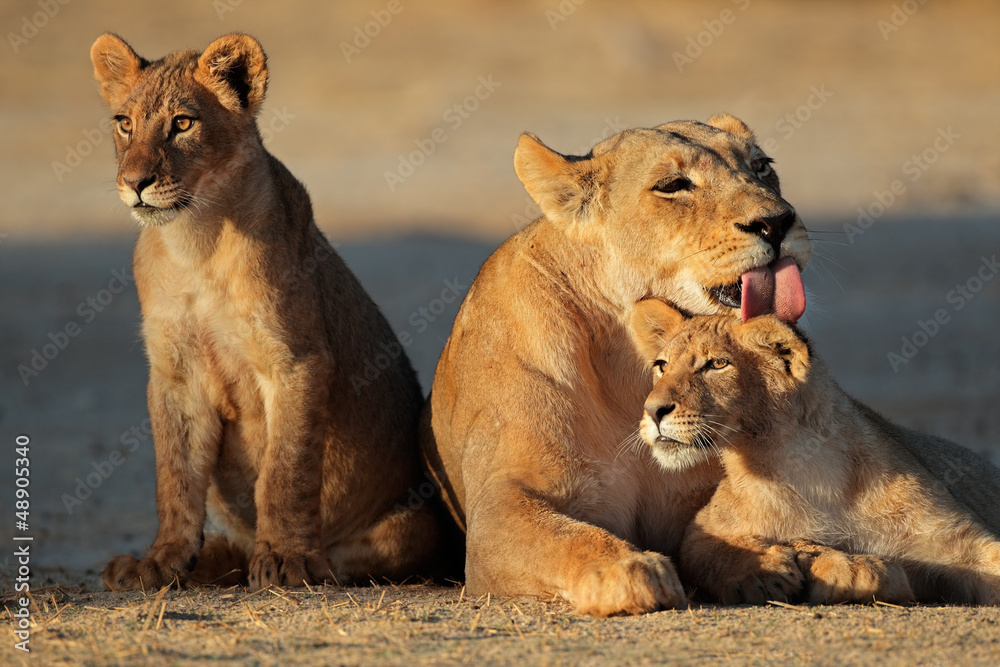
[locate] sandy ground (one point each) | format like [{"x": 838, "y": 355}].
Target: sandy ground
[{"x": 65, "y": 246}]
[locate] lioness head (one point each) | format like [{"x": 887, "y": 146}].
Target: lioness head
[
  {"x": 694, "y": 207},
  {"x": 718, "y": 381},
  {"x": 183, "y": 124}
]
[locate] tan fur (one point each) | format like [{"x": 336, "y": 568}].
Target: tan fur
[
  {"x": 266, "y": 436},
  {"x": 528, "y": 426},
  {"x": 821, "y": 496}
]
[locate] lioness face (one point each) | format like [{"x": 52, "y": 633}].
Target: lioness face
[
  {"x": 717, "y": 380},
  {"x": 181, "y": 124},
  {"x": 696, "y": 207}
]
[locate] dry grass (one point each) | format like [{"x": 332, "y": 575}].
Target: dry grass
[{"x": 421, "y": 624}]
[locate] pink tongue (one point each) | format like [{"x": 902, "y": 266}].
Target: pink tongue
[{"x": 776, "y": 288}]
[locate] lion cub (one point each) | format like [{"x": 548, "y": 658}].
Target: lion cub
[
  {"x": 814, "y": 481},
  {"x": 273, "y": 457}
]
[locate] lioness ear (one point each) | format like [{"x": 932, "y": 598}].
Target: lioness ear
[
  {"x": 732, "y": 125},
  {"x": 565, "y": 189},
  {"x": 234, "y": 67},
  {"x": 777, "y": 341},
  {"x": 116, "y": 68},
  {"x": 652, "y": 322}
]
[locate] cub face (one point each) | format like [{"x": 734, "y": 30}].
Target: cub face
[
  {"x": 183, "y": 125},
  {"x": 717, "y": 380},
  {"x": 693, "y": 205}
]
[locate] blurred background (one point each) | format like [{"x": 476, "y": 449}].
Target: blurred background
[{"x": 882, "y": 117}]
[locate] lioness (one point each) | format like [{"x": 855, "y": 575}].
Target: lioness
[
  {"x": 529, "y": 420},
  {"x": 253, "y": 326},
  {"x": 810, "y": 473}
]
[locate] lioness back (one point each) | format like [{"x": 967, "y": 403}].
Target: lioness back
[{"x": 270, "y": 438}]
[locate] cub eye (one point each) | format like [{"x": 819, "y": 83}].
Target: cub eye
[
  {"x": 672, "y": 184},
  {"x": 658, "y": 366},
  {"x": 716, "y": 364},
  {"x": 182, "y": 123},
  {"x": 761, "y": 165},
  {"x": 125, "y": 124}
]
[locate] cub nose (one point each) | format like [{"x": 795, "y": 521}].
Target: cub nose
[
  {"x": 139, "y": 183},
  {"x": 659, "y": 411},
  {"x": 772, "y": 228}
]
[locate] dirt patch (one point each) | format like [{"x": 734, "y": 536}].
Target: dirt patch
[{"x": 424, "y": 625}]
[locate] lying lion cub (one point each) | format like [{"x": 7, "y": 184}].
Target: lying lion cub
[
  {"x": 270, "y": 459},
  {"x": 813, "y": 479}
]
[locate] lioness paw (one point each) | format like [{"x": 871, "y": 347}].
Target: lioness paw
[
  {"x": 269, "y": 567},
  {"x": 773, "y": 575},
  {"x": 637, "y": 584},
  {"x": 833, "y": 576}
]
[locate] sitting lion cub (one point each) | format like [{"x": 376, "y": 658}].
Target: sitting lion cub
[
  {"x": 270, "y": 460},
  {"x": 813, "y": 480}
]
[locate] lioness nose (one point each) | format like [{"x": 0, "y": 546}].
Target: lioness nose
[
  {"x": 139, "y": 183},
  {"x": 658, "y": 412},
  {"x": 772, "y": 228}
]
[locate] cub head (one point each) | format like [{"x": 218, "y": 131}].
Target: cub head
[
  {"x": 692, "y": 209},
  {"x": 183, "y": 125},
  {"x": 719, "y": 382}
]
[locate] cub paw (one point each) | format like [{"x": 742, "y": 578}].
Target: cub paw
[
  {"x": 637, "y": 584},
  {"x": 295, "y": 568},
  {"x": 833, "y": 576},
  {"x": 162, "y": 566},
  {"x": 774, "y": 574}
]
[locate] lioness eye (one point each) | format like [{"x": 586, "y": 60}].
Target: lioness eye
[
  {"x": 125, "y": 124},
  {"x": 716, "y": 364},
  {"x": 672, "y": 184},
  {"x": 182, "y": 123}
]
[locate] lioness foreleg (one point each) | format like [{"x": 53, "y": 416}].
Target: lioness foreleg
[{"x": 519, "y": 543}]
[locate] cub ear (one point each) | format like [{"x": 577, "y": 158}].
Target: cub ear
[
  {"x": 234, "y": 67},
  {"x": 565, "y": 188},
  {"x": 652, "y": 322},
  {"x": 116, "y": 68},
  {"x": 732, "y": 125},
  {"x": 778, "y": 342}
]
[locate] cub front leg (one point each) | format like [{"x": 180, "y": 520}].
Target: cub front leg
[
  {"x": 289, "y": 544},
  {"x": 834, "y": 576},
  {"x": 186, "y": 434},
  {"x": 519, "y": 544},
  {"x": 739, "y": 570}
]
